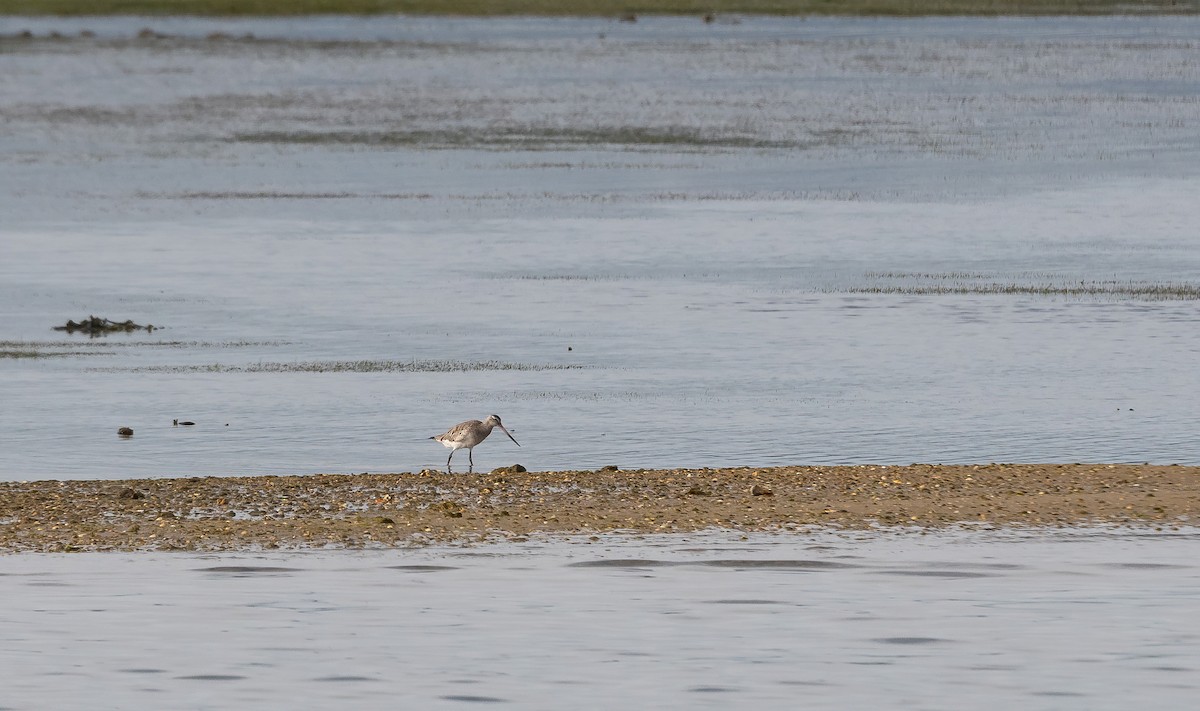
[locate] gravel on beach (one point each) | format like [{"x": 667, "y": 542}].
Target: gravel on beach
[{"x": 428, "y": 507}]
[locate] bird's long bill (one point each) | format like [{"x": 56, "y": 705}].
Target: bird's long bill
[{"x": 514, "y": 439}]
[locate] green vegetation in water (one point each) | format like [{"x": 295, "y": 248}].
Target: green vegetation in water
[
  {"x": 710, "y": 10},
  {"x": 567, "y": 277},
  {"x": 356, "y": 366},
  {"x": 279, "y": 195},
  {"x": 106, "y": 346},
  {"x": 964, "y": 283},
  {"x": 33, "y": 353},
  {"x": 507, "y": 139}
]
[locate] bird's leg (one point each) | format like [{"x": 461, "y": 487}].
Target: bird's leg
[
  {"x": 448, "y": 461},
  {"x": 471, "y": 460}
]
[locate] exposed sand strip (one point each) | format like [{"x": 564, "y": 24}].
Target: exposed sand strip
[{"x": 371, "y": 510}]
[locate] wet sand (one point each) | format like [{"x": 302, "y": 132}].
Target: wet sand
[{"x": 412, "y": 509}]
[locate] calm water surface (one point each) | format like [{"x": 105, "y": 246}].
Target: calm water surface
[
  {"x": 667, "y": 244},
  {"x": 984, "y": 620}
]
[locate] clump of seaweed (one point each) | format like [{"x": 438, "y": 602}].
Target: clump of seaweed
[{"x": 95, "y": 326}]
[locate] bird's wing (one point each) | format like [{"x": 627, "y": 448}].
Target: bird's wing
[{"x": 460, "y": 429}]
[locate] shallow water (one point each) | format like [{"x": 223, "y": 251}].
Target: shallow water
[
  {"x": 988, "y": 620},
  {"x": 660, "y": 245}
]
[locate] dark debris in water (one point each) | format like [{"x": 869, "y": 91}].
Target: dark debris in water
[{"x": 96, "y": 326}]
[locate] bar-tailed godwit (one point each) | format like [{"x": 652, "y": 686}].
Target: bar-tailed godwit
[{"x": 465, "y": 435}]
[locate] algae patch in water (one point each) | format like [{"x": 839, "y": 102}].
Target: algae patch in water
[
  {"x": 530, "y": 137},
  {"x": 280, "y": 195},
  {"x": 61, "y": 349},
  {"x": 956, "y": 283},
  {"x": 34, "y": 353},
  {"x": 357, "y": 366},
  {"x": 53, "y": 349}
]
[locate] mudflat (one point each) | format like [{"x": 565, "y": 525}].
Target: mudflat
[{"x": 412, "y": 509}]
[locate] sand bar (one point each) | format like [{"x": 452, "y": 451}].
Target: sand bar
[{"x": 410, "y": 509}]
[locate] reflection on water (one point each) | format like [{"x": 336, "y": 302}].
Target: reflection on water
[
  {"x": 776, "y": 242},
  {"x": 1069, "y": 619}
]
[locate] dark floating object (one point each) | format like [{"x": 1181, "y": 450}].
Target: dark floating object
[
  {"x": 95, "y": 326},
  {"x": 185, "y": 423},
  {"x": 125, "y": 432}
]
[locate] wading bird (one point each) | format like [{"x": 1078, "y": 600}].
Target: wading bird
[{"x": 465, "y": 435}]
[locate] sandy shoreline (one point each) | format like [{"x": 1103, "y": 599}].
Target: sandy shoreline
[{"x": 384, "y": 510}]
